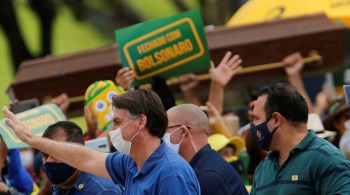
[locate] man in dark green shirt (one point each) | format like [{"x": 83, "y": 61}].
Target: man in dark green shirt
[{"x": 299, "y": 161}]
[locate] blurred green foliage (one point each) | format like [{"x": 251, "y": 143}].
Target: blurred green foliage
[{"x": 70, "y": 35}]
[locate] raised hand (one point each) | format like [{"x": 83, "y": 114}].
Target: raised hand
[
  {"x": 294, "y": 64},
  {"x": 91, "y": 121},
  {"x": 188, "y": 82},
  {"x": 21, "y": 131},
  {"x": 227, "y": 68},
  {"x": 216, "y": 121},
  {"x": 124, "y": 78},
  {"x": 212, "y": 111},
  {"x": 12, "y": 103},
  {"x": 61, "y": 101}
]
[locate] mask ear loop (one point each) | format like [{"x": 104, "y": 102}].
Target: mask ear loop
[
  {"x": 192, "y": 142},
  {"x": 125, "y": 126},
  {"x": 126, "y": 123},
  {"x": 174, "y": 132},
  {"x": 180, "y": 132}
]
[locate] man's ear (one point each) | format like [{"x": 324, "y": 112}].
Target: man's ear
[
  {"x": 142, "y": 121},
  {"x": 184, "y": 131},
  {"x": 278, "y": 118}
]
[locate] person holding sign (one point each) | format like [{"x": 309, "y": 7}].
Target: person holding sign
[
  {"x": 144, "y": 163},
  {"x": 166, "y": 47}
]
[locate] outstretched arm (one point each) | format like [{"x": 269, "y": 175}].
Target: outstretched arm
[
  {"x": 78, "y": 156},
  {"x": 220, "y": 76}
]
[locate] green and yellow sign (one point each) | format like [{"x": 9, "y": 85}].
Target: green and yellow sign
[
  {"x": 167, "y": 47},
  {"x": 36, "y": 119}
]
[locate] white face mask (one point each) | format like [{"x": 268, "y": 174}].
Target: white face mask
[
  {"x": 166, "y": 139},
  {"x": 176, "y": 147},
  {"x": 118, "y": 141}
]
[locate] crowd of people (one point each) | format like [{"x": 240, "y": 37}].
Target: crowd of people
[{"x": 191, "y": 148}]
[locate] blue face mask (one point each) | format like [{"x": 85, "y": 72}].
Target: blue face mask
[
  {"x": 262, "y": 135},
  {"x": 58, "y": 173}
]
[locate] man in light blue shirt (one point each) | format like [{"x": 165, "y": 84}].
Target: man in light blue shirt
[
  {"x": 163, "y": 173},
  {"x": 147, "y": 165}
]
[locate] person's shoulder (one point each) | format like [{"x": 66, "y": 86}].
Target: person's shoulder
[
  {"x": 99, "y": 180},
  {"x": 264, "y": 166},
  {"x": 211, "y": 166},
  {"x": 172, "y": 164},
  {"x": 172, "y": 160},
  {"x": 322, "y": 148},
  {"x": 212, "y": 182},
  {"x": 118, "y": 155},
  {"x": 102, "y": 184},
  {"x": 174, "y": 169},
  {"x": 323, "y": 155},
  {"x": 212, "y": 161},
  {"x": 117, "y": 158}
]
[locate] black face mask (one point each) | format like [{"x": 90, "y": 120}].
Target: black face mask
[
  {"x": 262, "y": 135},
  {"x": 58, "y": 173}
]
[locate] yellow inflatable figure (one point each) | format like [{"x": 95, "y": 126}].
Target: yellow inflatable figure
[{"x": 100, "y": 95}]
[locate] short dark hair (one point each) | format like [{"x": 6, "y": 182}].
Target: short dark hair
[
  {"x": 147, "y": 102},
  {"x": 72, "y": 130},
  {"x": 285, "y": 99}
]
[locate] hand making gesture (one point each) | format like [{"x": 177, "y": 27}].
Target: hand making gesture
[
  {"x": 227, "y": 68},
  {"x": 21, "y": 131}
]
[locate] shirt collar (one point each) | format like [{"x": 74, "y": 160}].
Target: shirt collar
[
  {"x": 154, "y": 158},
  {"x": 81, "y": 181},
  {"x": 311, "y": 135},
  {"x": 79, "y": 184},
  {"x": 199, "y": 154}
]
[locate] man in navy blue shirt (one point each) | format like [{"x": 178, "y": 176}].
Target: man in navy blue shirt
[
  {"x": 143, "y": 165},
  {"x": 187, "y": 134},
  {"x": 67, "y": 179}
]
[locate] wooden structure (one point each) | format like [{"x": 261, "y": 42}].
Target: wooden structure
[{"x": 256, "y": 44}]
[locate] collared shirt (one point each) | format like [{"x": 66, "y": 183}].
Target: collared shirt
[
  {"x": 164, "y": 172},
  {"x": 314, "y": 166},
  {"x": 90, "y": 184},
  {"x": 214, "y": 174}
]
